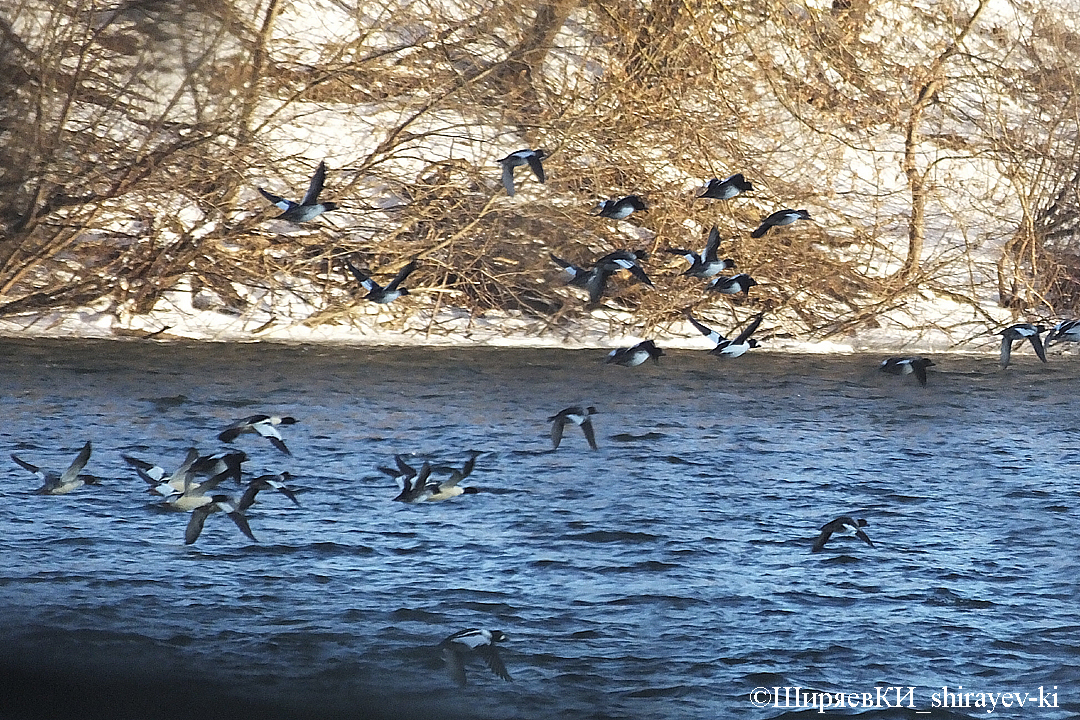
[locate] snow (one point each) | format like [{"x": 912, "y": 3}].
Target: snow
[{"x": 862, "y": 168}]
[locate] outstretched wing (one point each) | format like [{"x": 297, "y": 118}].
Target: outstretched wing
[
  {"x": 556, "y": 431},
  {"x": 748, "y": 330},
  {"x": 281, "y": 202},
  {"x": 365, "y": 282},
  {"x": 1037, "y": 344},
  {"x": 454, "y": 665},
  {"x": 508, "y": 178},
  {"x": 587, "y": 428},
  {"x": 400, "y": 277},
  {"x": 77, "y": 465},
  {"x": 712, "y": 246},
  {"x": 536, "y": 166},
  {"x": 242, "y": 523},
  {"x": 491, "y": 656},
  {"x": 316, "y": 186},
  {"x": 195, "y": 524},
  {"x": 706, "y": 330}
]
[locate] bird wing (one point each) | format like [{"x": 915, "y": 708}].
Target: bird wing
[
  {"x": 77, "y": 465},
  {"x": 557, "y": 425},
  {"x": 279, "y": 201},
  {"x": 748, "y": 330},
  {"x": 1006, "y": 351},
  {"x": 316, "y": 185},
  {"x": 248, "y": 498},
  {"x": 195, "y": 524},
  {"x": 920, "y": 372},
  {"x": 279, "y": 444},
  {"x": 859, "y": 533},
  {"x": 284, "y": 490},
  {"x": 1037, "y": 344},
  {"x": 823, "y": 538},
  {"x": 32, "y": 468},
  {"x": 587, "y": 428},
  {"x": 401, "y": 275},
  {"x": 404, "y": 467},
  {"x": 706, "y": 330},
  {"x": 536, "y": 166},
  {"x": 491, "y": 656},
  {"x": 454, "y": 665},
  {"x": 151, "y": 472},
  {"x": 508, "y": 178},
  {"x": 241, "y": 522},
  {"x": 639, "y": 273},
  {"x": 365, "y": 282},
  {"x": 712, "y": 245}
]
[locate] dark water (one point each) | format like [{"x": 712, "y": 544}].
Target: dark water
[{"x": 665, "y": 576}]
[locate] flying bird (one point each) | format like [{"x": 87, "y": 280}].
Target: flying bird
[
  {"x": 450, "y": 488},
  {"x": 907, "y": 366},
  {"x": 532, "y": 158},
  {"x": 575, "y": 415},
  {"x": 727, "y": 188},
  {"x": 841, "y": 525},
  {"x": 732, "y": 285},
  {"x": 706, "y": 264},
  {"x": 1021, "y": 331},
  {"x": 729, "y": 348},
  {"x": 267, "y": 482},
  {"x": 264, "y": 425},
  {"x": 473, "y": 641},
  {"x": 636, "y": 355},
  {"x": 595, "y": 279},
  {"x": 780, "y": 217},
  {"x": 54, "y": 483},
  {"x": 218, "y": 503},
  {"x": 155, "y": 476},
  {"x": 307, "y": 209},
  {"x": 1064, "y": 331},
  {"x": 415, "y": 489},
  {"x": 622, "y": 208},
  {"x": 377, "y": 293}
]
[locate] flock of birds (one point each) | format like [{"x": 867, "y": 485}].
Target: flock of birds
[
  {"x": 706, "y": 265},
  {"x": 194, "y": 486}
]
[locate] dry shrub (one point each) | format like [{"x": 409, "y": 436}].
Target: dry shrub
[{"x": 148, "y": 123}]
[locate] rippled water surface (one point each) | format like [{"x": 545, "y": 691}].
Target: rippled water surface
[{"x": 666, "y": 575}]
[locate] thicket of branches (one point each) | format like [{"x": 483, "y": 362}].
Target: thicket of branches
[{"x": 936, "y": 147}]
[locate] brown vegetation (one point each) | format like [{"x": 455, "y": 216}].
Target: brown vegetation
[{"x": 133, "y": 134}]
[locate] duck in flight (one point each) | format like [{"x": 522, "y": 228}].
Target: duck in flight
[
  {"x": 727, "y": 188},
  {"x": 264, "y": 425},
  {"x": 732, "y": 285},
  {"x": 155, "y": 475},
  {"x": 218, "y": 503},
  {"x": 778, "y": 218},
  {"x": 532, "y": 158},
  {"x": 636, "y": 355},
  {"x": 595, "y": 280},
  {"x": 1021, "y": 331},
  {"x": 907, "y": 366},
  {"x": 54, "y": 483},
  {"x": 622, "y": 208},
  {"x": 841, "y": 525},
  {"x": 725, "y": 348},
  {"x": 377, "y": 293},
  {"x": 450, "y": 488},
  {"x": 414, "y": 487},
  {"x": 473, "y": 641},
  {"x": 267, "y": 482},
  {"x": 307, "y": 209},
  {"x": 1064, "y": 331},
  {"x": 575, "y": 415},
  {"x": 706, "y": 264}
]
